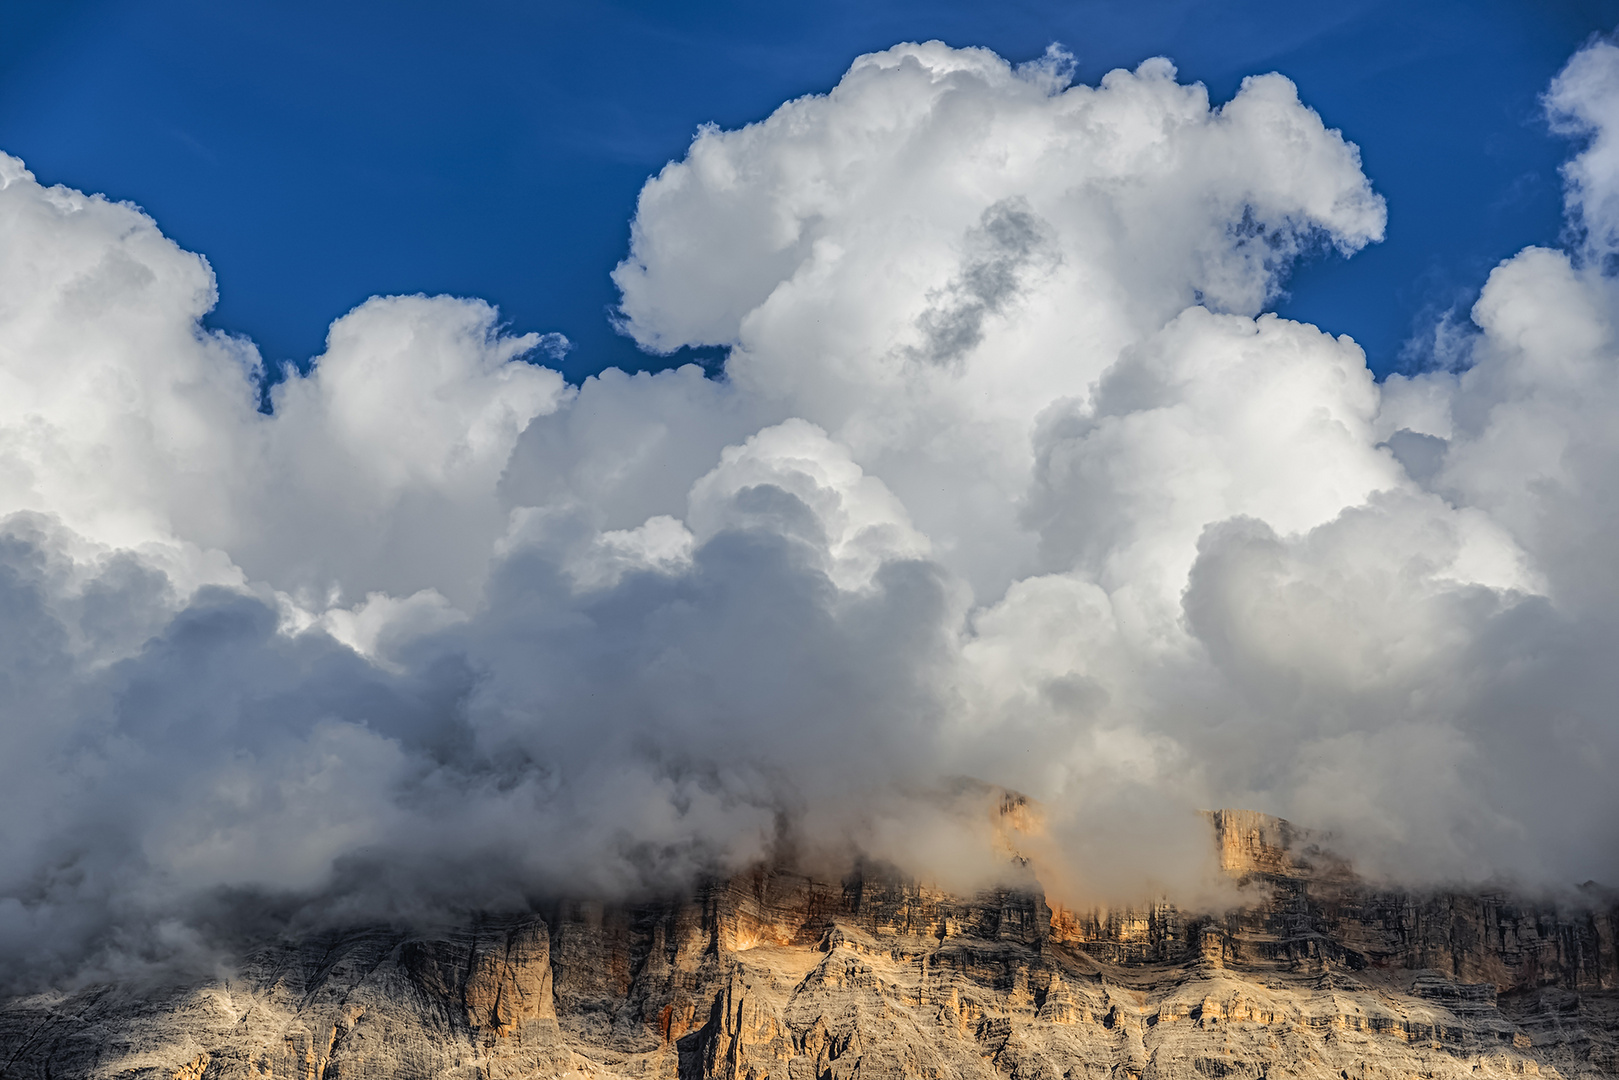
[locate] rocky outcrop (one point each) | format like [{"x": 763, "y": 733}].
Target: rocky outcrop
[
  {"x": 1317, "y": 907},
  {"x": 776, "y": 975}
]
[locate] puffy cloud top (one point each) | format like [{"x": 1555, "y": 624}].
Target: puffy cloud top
[{"x": 1009, "y": 476}]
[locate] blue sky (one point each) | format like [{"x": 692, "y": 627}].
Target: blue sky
[
  {"x": 320, "y": 153},
  {"x": 983, "y": 496}
]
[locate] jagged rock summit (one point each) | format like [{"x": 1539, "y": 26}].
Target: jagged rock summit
[{"x": 775, "y": 975}]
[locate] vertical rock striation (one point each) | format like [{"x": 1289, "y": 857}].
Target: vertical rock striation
[{"x": 776, "y": 975}]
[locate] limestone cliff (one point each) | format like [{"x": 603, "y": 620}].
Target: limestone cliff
[{"x": 775, "y": 975}]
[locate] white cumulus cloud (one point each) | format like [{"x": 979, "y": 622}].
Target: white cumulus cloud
[{"x": 1010, "y": 476}]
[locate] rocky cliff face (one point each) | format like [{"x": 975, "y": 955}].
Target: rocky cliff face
[{"x": 774, "y": 975}]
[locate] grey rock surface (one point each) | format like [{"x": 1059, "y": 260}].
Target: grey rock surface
[{"x": 775, "y": 975}]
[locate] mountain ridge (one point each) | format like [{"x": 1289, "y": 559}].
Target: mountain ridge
[{"x": 775, "y": 975}]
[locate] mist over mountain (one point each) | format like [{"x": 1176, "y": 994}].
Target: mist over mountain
[{"x": 1009, "y": 476}]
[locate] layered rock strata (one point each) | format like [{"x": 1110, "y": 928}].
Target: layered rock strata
[{"x": 775, "y": 975}]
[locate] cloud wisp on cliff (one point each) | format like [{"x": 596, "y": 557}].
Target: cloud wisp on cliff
[{"x": 1009, "y": 476}]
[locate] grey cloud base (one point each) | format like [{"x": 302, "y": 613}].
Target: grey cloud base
[{"x": 1009, "y": 477}]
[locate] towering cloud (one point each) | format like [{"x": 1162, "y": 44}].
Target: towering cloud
[{"x": 1008, "y": 478}]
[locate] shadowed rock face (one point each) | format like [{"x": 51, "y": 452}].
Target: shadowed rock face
[{"x": 772, "y": 974}]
